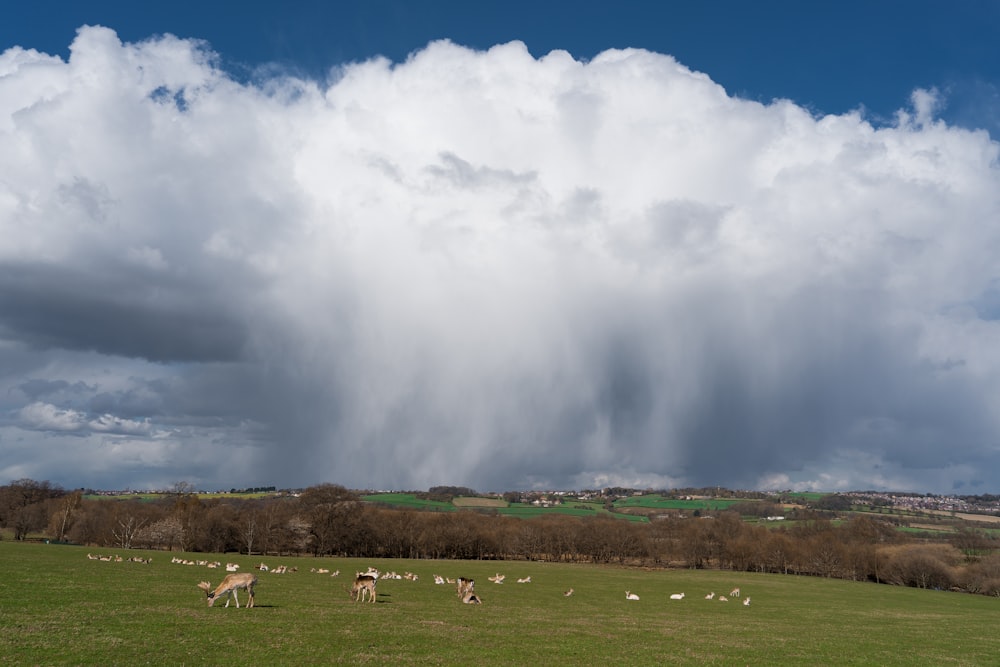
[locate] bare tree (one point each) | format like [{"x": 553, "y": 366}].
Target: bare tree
[
  {"x": 128, "y": 526},
  {"x": 248, "y": 530},
  {"x": 62, "y": 517}
]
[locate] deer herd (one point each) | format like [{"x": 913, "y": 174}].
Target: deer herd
[{"x": 364, "y": 585}]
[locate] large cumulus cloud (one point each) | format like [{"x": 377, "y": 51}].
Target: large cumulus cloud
[{"x": 485, "y": 268}]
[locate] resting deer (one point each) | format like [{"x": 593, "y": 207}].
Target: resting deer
[
  {"x": 631, "y": 596},
  {"x": 568, "y": 593},
  {"x": 363, "y": 584},
  {"x": 229, "y": 586}
]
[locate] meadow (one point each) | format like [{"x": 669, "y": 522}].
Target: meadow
[{"x": 57, "y": 607}]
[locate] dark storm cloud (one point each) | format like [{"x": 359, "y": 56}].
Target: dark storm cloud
[{"x": 486, "y": 269}]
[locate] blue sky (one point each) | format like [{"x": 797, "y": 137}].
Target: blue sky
[
  {"x": 501, "y": 245},
  {"x": 831, "y": 56}
]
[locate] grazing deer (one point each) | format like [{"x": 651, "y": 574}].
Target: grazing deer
[
  {"x": 363, "y": 584},
  {"x": 229, "y": 586}
]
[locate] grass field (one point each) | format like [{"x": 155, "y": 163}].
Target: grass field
[
  {"x": 655, "y": 501},
  {"x": 59, "y": 608},
  {"x": 520, "y": 510}
]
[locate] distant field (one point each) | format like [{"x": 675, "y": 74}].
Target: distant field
[
  {"x": 465, "y": 501},
  {"x": 807, "y": 496},
  {"x": 523, "y": 510},
  {"x": 965, "y": 516},
  {"x": 655, "y": 501},
  {"x": 57, "y": 607}
]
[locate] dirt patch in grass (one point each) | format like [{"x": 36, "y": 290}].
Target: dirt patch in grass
[{"x": 479, "y": 502}]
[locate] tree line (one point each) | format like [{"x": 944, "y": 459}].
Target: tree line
[{"x": 329, "y": 520}]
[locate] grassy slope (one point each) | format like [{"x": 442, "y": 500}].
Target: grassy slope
[{"x": 59, "y": 608}]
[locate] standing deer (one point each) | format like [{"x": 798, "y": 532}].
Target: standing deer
[
  {"x": 364, "y": 583},
  {"x": 229, "y": 586}
]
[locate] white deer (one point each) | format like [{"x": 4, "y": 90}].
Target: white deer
[
  {"x": 746, "y": 601},
  {"x": 363, "y": 584},
  {"x": 710, "y": 595},
  {"x": 735, "y": 593},
  {"x": 229, "y": 586},
  {"x": 525, "y": 580},
  {"x": 631, "y": 596},
  {"x": 568, "y": 593},
  {"x": 677, "y": 596}
]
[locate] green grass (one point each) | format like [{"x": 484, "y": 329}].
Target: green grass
[
  {"x": 59, "y": 608},
  {"x": 656, "y": 501},
  {"x": 522, "y": 510}
]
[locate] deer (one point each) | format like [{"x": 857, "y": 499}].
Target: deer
[
  {"x": 363, "y": 584},
  {"x": 229, "y": 586},
  {"x": 568, "y": 593},
  {"x": 631, "y": 596},
  {"x": 465, "y": 586}
]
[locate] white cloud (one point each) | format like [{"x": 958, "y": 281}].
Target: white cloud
[
  {"x": 487, "y": 269},
  {"x": 47, "y": 417}
]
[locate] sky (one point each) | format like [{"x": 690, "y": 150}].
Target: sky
[{"x": 546, "y": 245}]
